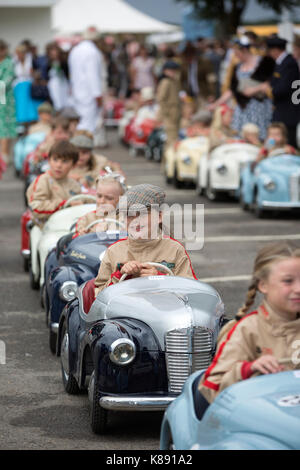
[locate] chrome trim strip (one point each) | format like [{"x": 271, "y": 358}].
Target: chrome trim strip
[
  {"x": 26, "y": 253},
  {"x": 54, "y": 327},
  {"x": 280, "y": 205},
  {"x": 136, "y": 403},
  {"x": 224, "y": 187}
]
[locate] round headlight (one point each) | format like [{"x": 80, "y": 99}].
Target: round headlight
[
  {"x": 186, "y": 159},
  {"x": 68, "y": 291},
  {"x": 122, "y": 351},
  {"x": 222, "y": 169},
  {"x": 269, "y": 185}
]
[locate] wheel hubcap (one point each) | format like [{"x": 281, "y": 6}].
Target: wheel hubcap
[
  {"x": 91, "y": 388},
  {"x": 65, "y": 355}
]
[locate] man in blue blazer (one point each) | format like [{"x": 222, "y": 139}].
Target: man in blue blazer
[{"x": 286, "y": 72}]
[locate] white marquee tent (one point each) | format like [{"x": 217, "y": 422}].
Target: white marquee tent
[{"x": 109, "y": 16}]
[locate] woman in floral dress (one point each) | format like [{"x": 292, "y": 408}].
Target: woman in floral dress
[
  {"x": 7, "y": 102},
  {"x": 248, "y": 89}
]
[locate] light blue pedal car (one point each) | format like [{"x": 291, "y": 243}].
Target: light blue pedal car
[
  {"x": 24, "y": 146},
  {"x": 261, "y": 413},
  {"x": 273, "y": 185}
]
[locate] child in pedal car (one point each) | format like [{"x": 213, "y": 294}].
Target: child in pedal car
[
  {"x": 267, "y": 340},
  {"x": 145, "y": 242}
]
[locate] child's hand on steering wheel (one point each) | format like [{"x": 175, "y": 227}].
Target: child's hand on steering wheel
[
  {"x": 132, "y": 268},
  {"x": 148, "y": 270}
]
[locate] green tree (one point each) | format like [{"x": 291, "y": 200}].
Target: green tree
[{"x": 228, "y": 13}]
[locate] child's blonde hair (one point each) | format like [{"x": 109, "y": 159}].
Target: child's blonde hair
[
  {"x": 251, "y": 128},
  {"x": 264, "y": 258},
  {"x": 112, "y": 178}
]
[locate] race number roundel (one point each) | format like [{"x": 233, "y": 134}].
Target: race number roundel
[{"x": 290, "y": 400}]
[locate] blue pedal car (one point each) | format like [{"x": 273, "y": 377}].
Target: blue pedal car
[
  {"x": 24, "y": 146},
  {"x": 261, "y": 413},
  {"x": 273, "y": 185},
  {"x": 67, "y": 266},
  {"x": 134, "y": 346}
]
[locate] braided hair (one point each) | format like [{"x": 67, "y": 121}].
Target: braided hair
[{"x": 264, "y": 258}]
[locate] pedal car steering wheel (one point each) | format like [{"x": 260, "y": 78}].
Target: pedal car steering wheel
[
  {"x": 95, "y": 222},
  {"x": 78, "y": 197},
  {"x": 156, "y": 265}
]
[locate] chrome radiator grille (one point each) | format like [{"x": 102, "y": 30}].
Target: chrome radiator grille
[
  {"x": 187, "y": 350},
  {"x": 295, "y": 188}
]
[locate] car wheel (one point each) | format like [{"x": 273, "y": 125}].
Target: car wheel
[
  {"x": 177, "y": 183},
  {"x": 52, "y": 341},
  {"x": 258, "y": 211},
  {"x": 43, "y": 296},
  {"x": 98, "y": 415},
  {"x": 199, "y": 189},
  {"x": 69, "y": 382},
  {"x": 35, "y": 285},
  {"x": 171, "y": 445},
  {"x": 243, "y": 204},
  {"x": 26, "y": 264},
  {"x": 210, "y": 193}
]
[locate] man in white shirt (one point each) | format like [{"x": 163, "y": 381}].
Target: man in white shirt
[{"x": 87, "y": 77}]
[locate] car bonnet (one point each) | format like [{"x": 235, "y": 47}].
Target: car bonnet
[
  {"x": 266, "y": 405},
  {"x": 165, "y": 303}
]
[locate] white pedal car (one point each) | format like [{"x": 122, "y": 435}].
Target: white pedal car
[
  {"x": 220, "y": 170},
  {"x": 182, "y": 160},
  {"x": 59, "y": 224}
]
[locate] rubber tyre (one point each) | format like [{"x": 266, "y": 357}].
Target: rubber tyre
[
  {"x": 52, "y": 341},
  {"x": 26, "y": 264},
  {"x": 69, "y": 382},
  {"x": 35, "y": 285},
  {"x": 42, "y": 296},
  {"x": 258, "y": 211},
  {"x": 178, "y": 184},
  {"x": 98, "y": 415},
  {"x": 209, "y": 192},
  {"x": 243, "y": 204},
  {"x": 171, "y": 446}
]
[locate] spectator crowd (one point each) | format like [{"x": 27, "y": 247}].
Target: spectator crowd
[{"x": 244, "y": 84}]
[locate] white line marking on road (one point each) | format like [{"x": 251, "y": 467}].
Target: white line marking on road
[
  {"x": 246, "y": 238},
  {"x": 242, "y": 277},
  {"x": 223, "y": 210}
]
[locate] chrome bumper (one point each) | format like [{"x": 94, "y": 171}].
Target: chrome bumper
[
  {"x": 136, "y": 403},
  {"x": 280, "y": 205},
  {"x": 26, "y": 254},
  {"x": 54, "y": 327}
]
